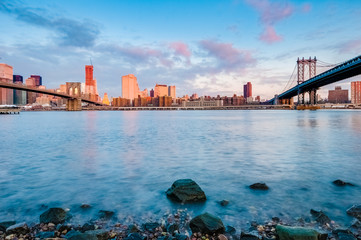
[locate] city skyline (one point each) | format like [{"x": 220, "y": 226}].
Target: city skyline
[{"x": 249, "y": 41}]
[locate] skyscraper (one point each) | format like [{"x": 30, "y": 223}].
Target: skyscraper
[
  {"x": 38, "y": 80},
  {"x": 160, "y": 90},
  {"x": 6, "y": 75},
  {"x": 356, "y": 92},
  {"x": 18, "y": 95},
  {"x": 89, "y": 81},
  {"x": 247, "y": 90},
  {"x": 171, "y": 92},
  {"x": 130, "y": 87}
]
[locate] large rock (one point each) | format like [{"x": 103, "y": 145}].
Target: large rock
[
  {"x": 20, "y": 228},
  {"x": 248, "y": 236},
  {"x": 53, "y": 215},
  {"x": 320, "y": 217},
  {"x": 343, "y": 234},
  {"x": 105, "y": 215},
  {"x": 341, "y": 183},
  {"x": 186, "y": 190},
  {"x": 259, "y": 186},
  {"x": 150, "y": 226},
  {"x": 5, "y": 225},
  {"x": 296, "y": 233},
  {"x": 207, "y": 223},
  {"x": 88, "y": 235},
  {"x": 355, "y": 211}
]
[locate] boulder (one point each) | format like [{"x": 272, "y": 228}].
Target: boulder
[
  {"x": 320, "y": 217},
  {"x": 230, "y": 230},
  {"x": 20, "y": 228},
  {"x": 53, "y": 215},
  {"x": 341, "y": 183},
  {"x": 248, "y": 236},
  {"x": 207, "y": 223},
  {"x": 296, "y": 233},
  {"x": 259, "y": 186},
  {"x": 5, "y": 225},
  {"x": 105, "y": 215},
  {"x": 355, "y": 211},
  {"x": 343, "y": 234},
  {"x": 224, "y": 203},
  {"x": 186, "y": 190}
]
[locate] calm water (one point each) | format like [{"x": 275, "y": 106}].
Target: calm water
[{"x": 125, "y": 161}]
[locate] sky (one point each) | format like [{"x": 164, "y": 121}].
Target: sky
[{"x": 207, "y": 47}]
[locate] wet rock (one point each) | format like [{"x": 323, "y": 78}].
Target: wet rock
[
  {"x": 343, "y": 234},
  {"x": 133, "y": 228},
  {"x": 172, "y": 227},
  {"x": 230, "y": 230},
  {"x": 207, "y": 223},
  {"x": 222, "y": 237},
  {"x": 150, "y": 226},
  {"x": 85, "y": 206},
  {"x": 259, "y": 186},
  {"x": 88, "y": 235},
  {"x": 43, "y": 235},
  {"x": 135, "y": 236},
  {"x": 224, "y": 203},
  {"x": 323, "y": 236},
  {"x": 105, "y": 215},
  {"x": 5, "y": 225},
  {"x": 87, "y": 227},
  {"x": 356, "y": 225},
  {"x": 20, "y": 228},
  {"x": 186, "y": 190},
  {"x": 181, "y": 237},
  {"x": 248, "y": 236},
  {"x": 341, "y": 183},
  {"x": 355, "y": 211},
  {"x": 320, "y": 217},
  {"x": 296, "y": 233},
  {"x": 53, "y": 215}
]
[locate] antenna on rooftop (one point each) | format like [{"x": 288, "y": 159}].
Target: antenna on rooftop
[{"x": 91, "y": 63}]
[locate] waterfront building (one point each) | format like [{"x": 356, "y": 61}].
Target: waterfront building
[
  {"x": 6, "y": 75},
  {"x": 247, "y": 90},
  {"x": 121, "y": 102},
  {"x": 106, "y": 99},
  {"x": 171, "y": 92},
  {"x": 19, "y": 97},
  {"x": 130, "y": 87},
  {"x": 338, "y": 95},
  {"x": 203, "y": 103},
  {"x": 356, "y": 92},
  {"x": 160, "y": 90},
  {"x": 165, "y": 101}
]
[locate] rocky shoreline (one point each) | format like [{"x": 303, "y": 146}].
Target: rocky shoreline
[{"x": 55, "y": 223}]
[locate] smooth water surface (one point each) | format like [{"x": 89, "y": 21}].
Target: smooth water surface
[{"x": 125, "y": 161}]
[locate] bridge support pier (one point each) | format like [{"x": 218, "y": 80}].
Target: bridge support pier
[
  {"x": 301, "y": 99},
  {"x": 73, "y": 105},
  {"x": 313, "y": 96}
]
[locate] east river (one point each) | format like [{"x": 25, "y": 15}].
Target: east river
[{"x": 125, "y": 161}]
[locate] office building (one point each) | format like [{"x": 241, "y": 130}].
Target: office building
[
  {"x": 38, "y": 80},
  {"x": 171, "y": 92},
  {"x": 130, "y": 87},
  {"x": 6, "y": 75},
  {"x": 247, "y": 90},
  {"x": 356, "y": 92},
  {"x": 160, "y": 90},
  {"x": 19, "y": 97}
]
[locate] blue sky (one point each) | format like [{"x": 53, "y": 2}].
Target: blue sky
[{"x": 205, "y": 47}]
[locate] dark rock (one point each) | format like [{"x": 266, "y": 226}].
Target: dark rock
[
  {"x": 276, "y": 219},
  {"x": 61, "y": 228},
  {"x": 341, "y": 183},
  {"x": 150, "y": 226},
  {"x": 248, "y": 236},
  {"x": 172, "y": 227},
  {"x": 20, "y": 228},
  {"x": 181, "y": 237},
  {"x": 343, "y": 234},
  {"x": 88, "y": 235},
  {"x": 85, "y": 206},
  {"x": 207, "y": 223},
  {"x": 186, "y": 190},
  {"x": 105, "y": 215},
  {"x": 356, "y": 225},
  {"x": 53, "y": 215},
  {"x": 296, "y": 233},
  {"x": 99, "y": 234},
  {"x": 5, "y": 225},
  {"x": 320, "y": 217},
  {"x": 87, "y": 227},
  {"x": 355, "y": 211},
  {"x": 259, "y": 186},
  {"x": 230, "y": 230},
  {"x": 133, "y": 228},
  {"x": 224, "y": 203},
  {"x": 43, "y": 235},
  {"x": 323, "y": 236},
  {"x": 135, "y": 236}
]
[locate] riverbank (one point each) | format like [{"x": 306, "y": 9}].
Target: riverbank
[{"x": 56, "y": 223}]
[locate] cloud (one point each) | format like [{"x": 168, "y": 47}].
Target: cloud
[
  {"x": 271, "y": 12},
  {"x": 353, "y": 46},
  {"x": 181, "y": 48},
  {"x": 227, "y": 56},
  {"x": 270, "y": 35},
  {"x": 70, "y": 32}
]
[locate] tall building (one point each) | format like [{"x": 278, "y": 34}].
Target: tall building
[
  {"x": 338, "y": 95},
  {"x": 19, "y": 97},
  {"x": 90, "y": 83},
  {"x": 160, "y": 90},
  {"x": 6, "y": 75},
  {"x": 130, "y": 87},
  {"x": 151, "y": 93},
  {"x": 247, "y": 90},
  {"x": 38, "y": 80},
  {"x": 171, "y": 92},
  {"x": 30, "y": 96},
  {"x": 356, "y": 92}
]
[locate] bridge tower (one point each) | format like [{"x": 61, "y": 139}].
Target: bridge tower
[
  {"x": 311, "y": 65},
  {"x": 73, "y": 89}
]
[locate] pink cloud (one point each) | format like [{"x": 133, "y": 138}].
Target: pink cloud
[
  {"x": 271, "y": 12},
  {"x": 270, "y": 36},
  {"x": 227, "y": 55},
  {"x": 353, "y": 46},
  {"x": 306, "y": 8},
  {"x": 181, "y": 48}
]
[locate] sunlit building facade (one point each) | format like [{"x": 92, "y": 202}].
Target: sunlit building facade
[
  {"x": 171, "y": 92},
  {"x": 160, "y": 90},
  {"x": 6, "y": 75},
  {"x": 130, "y": 87},
  {"x": 356, "y": 92}
]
